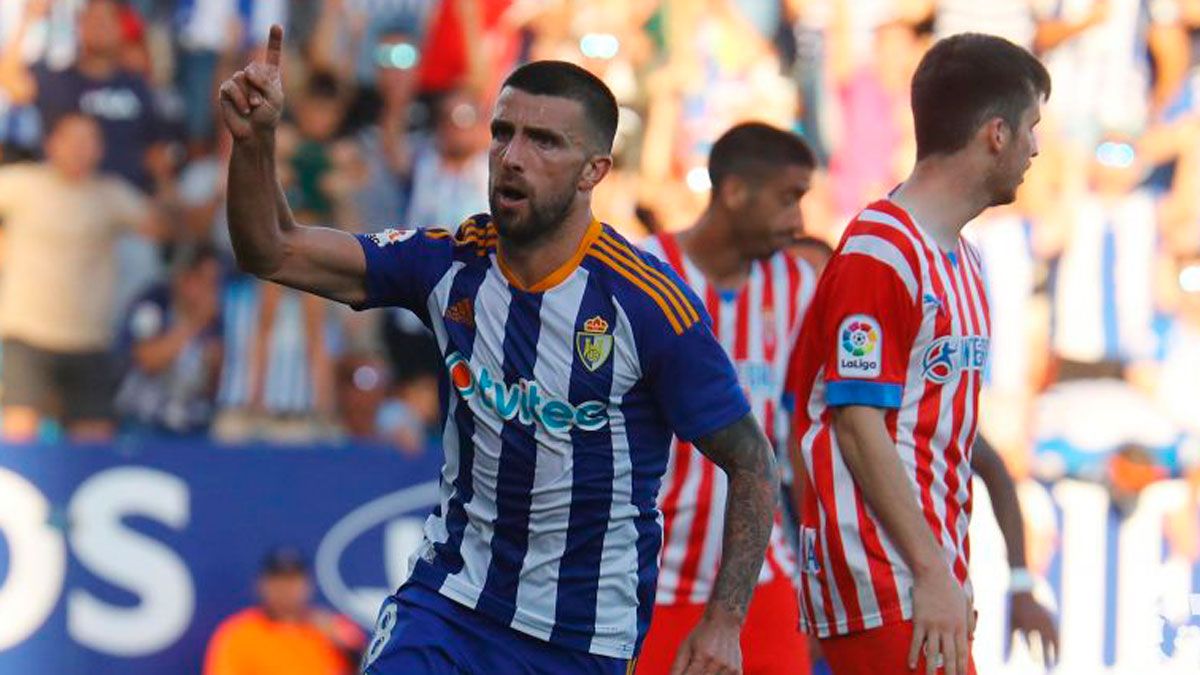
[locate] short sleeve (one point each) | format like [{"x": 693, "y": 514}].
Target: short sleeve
[
  {"x": 403, "y": 266},
  {"x": 692, "y": 378},
  {"x": 128, "y": 206},
  {"x": 10, "y": 186},
  {"x": 869, "y": 326}
]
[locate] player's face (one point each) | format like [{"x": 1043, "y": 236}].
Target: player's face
[
  {"x": 1016, "y": 157},
  {"x": 771, "y": 220},
  {"x": 537, "y": 156}
]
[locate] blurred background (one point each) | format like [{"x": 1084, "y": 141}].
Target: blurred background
[{"x": 169, "y": 423}]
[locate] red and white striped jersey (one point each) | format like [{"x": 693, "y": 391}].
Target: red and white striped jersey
[
  {"x": 756, "y": 325},
  {"x": 899, "y": 324}
]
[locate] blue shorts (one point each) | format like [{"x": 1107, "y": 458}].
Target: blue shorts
[{"x": 420, "y": 632}]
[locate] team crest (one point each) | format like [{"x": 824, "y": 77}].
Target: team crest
[{"x": 593, "y": 343}]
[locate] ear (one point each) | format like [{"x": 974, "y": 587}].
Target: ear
[
  {"x": 733, "y": 193},
  {"x": 594, "y": 171},
  {"x": 996, "y": 134}
]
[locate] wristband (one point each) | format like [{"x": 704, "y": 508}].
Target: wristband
[{"x": 1020, "y": 580}]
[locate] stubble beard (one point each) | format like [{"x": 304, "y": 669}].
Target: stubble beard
[{"x": 542, "y": 220}]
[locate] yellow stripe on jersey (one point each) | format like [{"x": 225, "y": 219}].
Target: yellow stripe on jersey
[
  {"x": 675, "y": 292},
  {"x": 638, "y": 280},
  {"x": 484, "y": 237},
  {"x": 436, "y": 233},
  {"x": 686, "y": 312}
]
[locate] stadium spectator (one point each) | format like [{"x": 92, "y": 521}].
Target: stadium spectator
[
  {"x": 1025, "y": 22},
  {"x": 874, "y": 149},
  {"x": 353, "y": 37},
  {"x": 383, "y": 144},
  {"x": 1104, "y": 287},
  {"x": 98, "y": 85},
  {"x": 285, "y": 634},
  {"x": 172, "y": 336},
  {"x": 61, "y": 222},
  {"x": 449, "y": 173},
  {"x": 208, "y": 31}
]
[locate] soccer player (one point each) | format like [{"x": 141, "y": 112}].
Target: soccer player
[
  {"x": 886, "y": 376},
  {"x": 570, "y": 360},
  {"x": 756, "y": 293}
]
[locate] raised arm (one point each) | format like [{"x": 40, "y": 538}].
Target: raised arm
[
  {"x": 15, "y": 78},
  {"x": 939, "y": 603},
  {"x": 743, "y": 452},
  {"x": 266, "y": 238}
]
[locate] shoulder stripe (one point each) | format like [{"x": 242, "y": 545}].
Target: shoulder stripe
[
  {"x": 661, "y": 285},
  {"x": 881, "y": 218},
  {"x": 436, "y": 233},
  {"x": 668, "y": 287},
  {"x": 885, "y": 252},
  {"x": 640, "y": 282}
]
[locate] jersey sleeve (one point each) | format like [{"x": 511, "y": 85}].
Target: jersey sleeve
[
  {"x": 693, "y": 379},
  {"x": 871, "y": 320},
  {"x": 403, "y": 266}
]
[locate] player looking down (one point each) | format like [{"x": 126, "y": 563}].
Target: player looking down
[{"x": 756, "y": 293}]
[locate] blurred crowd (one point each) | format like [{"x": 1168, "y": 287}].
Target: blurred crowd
[{"x": 122, "y": 312}]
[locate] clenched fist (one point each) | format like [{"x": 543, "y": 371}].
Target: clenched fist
[{"x": 252, "y": 100}]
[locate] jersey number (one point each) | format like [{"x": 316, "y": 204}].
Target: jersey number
[{"x": 383, "y": 633}]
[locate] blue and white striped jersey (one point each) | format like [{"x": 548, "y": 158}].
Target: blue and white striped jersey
[{"x": 559, "y": 402}]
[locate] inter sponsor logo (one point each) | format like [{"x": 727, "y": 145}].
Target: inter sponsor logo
[{"x": 947, "y": 356}]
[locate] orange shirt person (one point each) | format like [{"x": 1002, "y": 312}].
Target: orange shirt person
[{"x": 284, "y": 634}]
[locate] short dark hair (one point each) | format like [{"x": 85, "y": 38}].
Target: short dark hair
[
  {"x": 967, "y": 79},
  {"x": 753, "y": 151},
  {"x": 73, "y": 116},
  {"x": 567, "y": 80}
]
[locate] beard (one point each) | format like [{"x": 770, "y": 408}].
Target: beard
[
  {"x": 1003, "y": 185},
  {"x": 535, "y": 219},
  {"x": 1002, "y": 197}
]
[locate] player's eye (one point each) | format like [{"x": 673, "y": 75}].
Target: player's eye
[
  {"x": 501, "y": 132},
  {"x": 544, "y": 141}
]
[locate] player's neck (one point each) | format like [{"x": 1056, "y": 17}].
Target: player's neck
[
  {"x": 942, "y": 198},
  {"x": 711, "y": 247},
  {"x": 532, "y": 262}
]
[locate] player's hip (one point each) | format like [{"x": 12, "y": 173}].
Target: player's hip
[{"x": 421, "y": 631}]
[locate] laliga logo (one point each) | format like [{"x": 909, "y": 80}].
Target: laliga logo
[
  {"x": 859, "y": 339},
  {"x": 401, "y": 516},
  {"x": 948, "y": 355},
  {"x": 522, "y": 400}
]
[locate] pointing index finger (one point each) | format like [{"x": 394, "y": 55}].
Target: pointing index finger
[{"x": 274, "y": 45}]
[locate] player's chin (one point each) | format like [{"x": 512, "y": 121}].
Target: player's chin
[{"x": 1006, "y": 196}]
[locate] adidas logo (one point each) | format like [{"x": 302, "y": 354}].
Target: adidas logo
[{"x": 462, "y": 312}]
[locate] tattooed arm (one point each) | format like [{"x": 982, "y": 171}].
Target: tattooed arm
[{"x": 744, "y": 453}]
